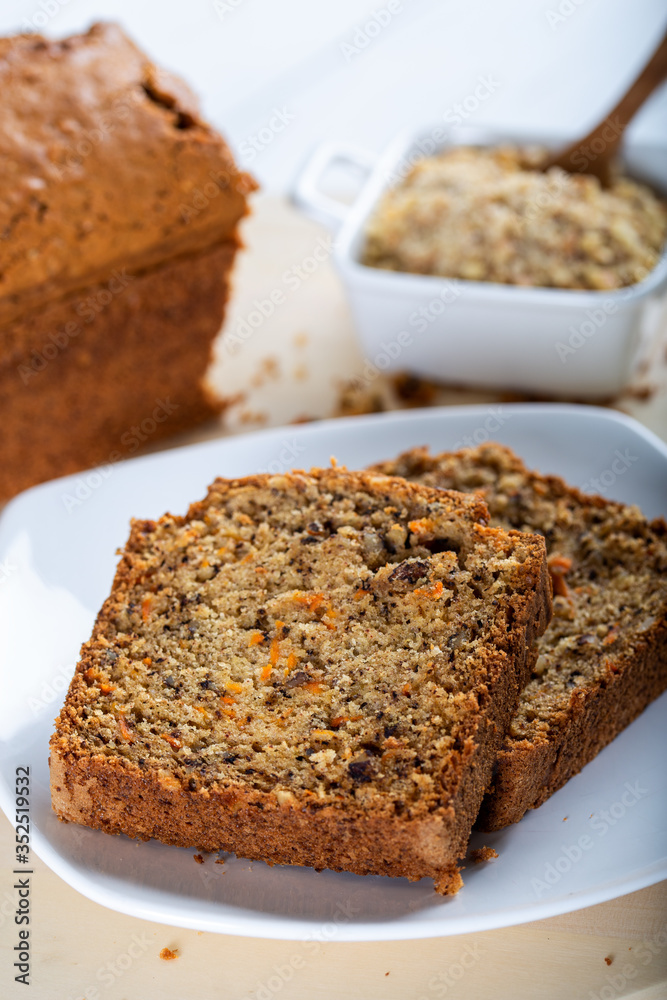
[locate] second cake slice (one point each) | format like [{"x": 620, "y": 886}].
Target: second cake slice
[{"x": 312, "y": 669}]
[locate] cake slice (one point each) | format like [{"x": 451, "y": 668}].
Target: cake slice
[
  {"x": 603, "y": 658},
  {"x": 312, "y": 669}
]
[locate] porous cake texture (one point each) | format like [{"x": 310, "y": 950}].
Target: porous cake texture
[
  {"x": 603, "y": 658},
  {"x": 314, "y": 669}
]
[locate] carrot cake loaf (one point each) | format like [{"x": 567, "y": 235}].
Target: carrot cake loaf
[{"x": 119, "y": 209}]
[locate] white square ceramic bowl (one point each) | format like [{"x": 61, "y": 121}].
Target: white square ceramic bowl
[{"x": 556, "y": 342}]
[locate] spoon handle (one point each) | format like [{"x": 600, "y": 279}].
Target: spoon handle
[{"x": 593, "y": 154}]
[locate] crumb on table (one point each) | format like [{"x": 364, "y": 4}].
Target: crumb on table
[
  {"x": 483, "y": 854},
  {"x": 167, "y": 954},
  {"x": 609, "y": 959},
  {"x": 198, "y": 858}
]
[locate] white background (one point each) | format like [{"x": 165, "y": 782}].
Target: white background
[{"x": 557, "y": 63}]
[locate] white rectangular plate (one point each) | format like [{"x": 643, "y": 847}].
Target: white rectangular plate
[{"x": 601, "y": 836}]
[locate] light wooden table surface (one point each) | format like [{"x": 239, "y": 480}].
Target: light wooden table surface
[
  {"x": 293, "y": 366},
  {"x": 80, "y": 947}
]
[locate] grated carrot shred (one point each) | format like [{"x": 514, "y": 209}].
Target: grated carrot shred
[
  {"x": 233, "y": 687},
  {"x": 314, "y": 687},
  {"x": 560, "y": 587},
  {"x": 610, "y": 636},
  {"x": 125, "y": 730},
  {"x": 146, "y": 608},
  {"x": 322, "y": 734},
  {"x": 311, "y": 601},
  {"x": 435, "y": 592},
  {"x": 266, "y": 673},
  {"x": 227, "y": 700},
  {"x": 256, "y": 639},
  {"x": 147, "y": 660},
  {"x": 291, "y": 663},
  {"x": 172, "y": 741},
  {"x": 422, "y": 526}
]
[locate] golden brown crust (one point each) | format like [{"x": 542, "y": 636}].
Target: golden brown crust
[
  {"x": 114, "y": 793},
  {"x": 119, "y": 209},
  {"x": 528, "y": 773},
  {"x": 125, "y": 365},
  {"x": 107, "y": 164}
]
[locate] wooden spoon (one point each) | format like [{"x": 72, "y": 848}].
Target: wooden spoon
[{"x": 595, "y": 152}]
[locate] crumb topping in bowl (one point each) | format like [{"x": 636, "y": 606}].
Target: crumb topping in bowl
[{"x": 490, "y": 214}]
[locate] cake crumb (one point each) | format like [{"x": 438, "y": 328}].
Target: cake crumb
[
  {"x": 268, "y": 369},
  {"x": 167, "y": 955},
  {"x": 609, "y": 959},
  {"x": 252, "y": 417},
  {"x": 219, "y": 861},
  {"x": 483, "y": 854},
  {"x": 198, "y": 858},
  {"x": 565, "y": 818}
]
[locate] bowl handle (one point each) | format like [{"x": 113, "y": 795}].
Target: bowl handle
[{"x": 306, "y": 193}]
